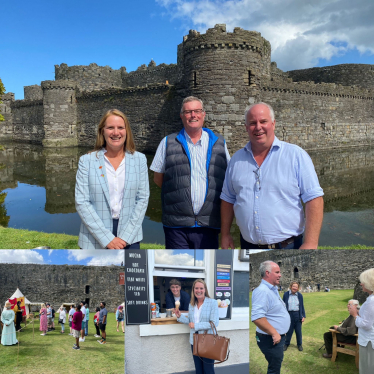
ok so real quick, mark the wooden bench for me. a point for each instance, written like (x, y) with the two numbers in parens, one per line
(340, 347)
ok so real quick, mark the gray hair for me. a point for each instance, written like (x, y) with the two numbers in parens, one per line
(265, 266)
(367, 279)
(189, 99)
(355, 302)
(271, 110)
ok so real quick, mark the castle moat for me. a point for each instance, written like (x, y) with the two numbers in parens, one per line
(37, 193)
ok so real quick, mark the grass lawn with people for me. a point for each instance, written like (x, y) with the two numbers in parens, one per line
(323, 309)
(53, 353)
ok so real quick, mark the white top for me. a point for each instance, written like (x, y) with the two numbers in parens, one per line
(365, 322)
(83, 310)
(116, 182)
(71, 312)
(62, 316)
(177, 298)
(197, 312)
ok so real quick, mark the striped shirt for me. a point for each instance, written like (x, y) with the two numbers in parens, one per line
(198, 153)
(293, 302)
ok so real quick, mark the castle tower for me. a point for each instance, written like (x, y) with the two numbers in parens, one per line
(225, 70)
(6, 126)
(60, 114)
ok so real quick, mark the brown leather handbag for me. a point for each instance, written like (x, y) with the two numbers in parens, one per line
(211, 346)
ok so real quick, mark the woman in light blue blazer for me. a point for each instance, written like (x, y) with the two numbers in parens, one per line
(112, 188)
(201, 310)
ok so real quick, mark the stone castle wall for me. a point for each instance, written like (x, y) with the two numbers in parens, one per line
(337, 269)
(28, 121)
(6, 126)
(346, 74)
(33, 92)
(91, 77)
(63, 283)
(228, 71)
(151, 74)
(149, 110)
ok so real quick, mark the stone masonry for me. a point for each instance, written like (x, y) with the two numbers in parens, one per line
(59, 284)
(318, 108)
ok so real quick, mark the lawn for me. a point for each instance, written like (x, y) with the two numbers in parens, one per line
(323, 309)
(53, 353)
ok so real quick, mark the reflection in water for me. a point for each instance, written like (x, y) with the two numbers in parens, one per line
(37, 193)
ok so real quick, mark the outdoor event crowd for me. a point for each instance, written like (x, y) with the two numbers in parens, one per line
(77, 317)
(277, 318)
(202, 187)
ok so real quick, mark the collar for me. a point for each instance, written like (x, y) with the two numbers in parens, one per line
(269, 285)
(291, 294)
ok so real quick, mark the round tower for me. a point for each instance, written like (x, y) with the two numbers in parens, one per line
(225, 70)
(60, 114)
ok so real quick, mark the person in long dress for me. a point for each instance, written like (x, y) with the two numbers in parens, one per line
(8, 336)
(43, 320)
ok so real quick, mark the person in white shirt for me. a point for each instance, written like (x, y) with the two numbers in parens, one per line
(364, 320)
(84, 319)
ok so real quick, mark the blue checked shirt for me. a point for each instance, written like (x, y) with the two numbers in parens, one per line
(198, 153)
(267, 303)
(268, 200)
(293, 302)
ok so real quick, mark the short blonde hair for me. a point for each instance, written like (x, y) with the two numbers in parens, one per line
(129, 145)
(42, 306)
(193, 301)
(367, 279)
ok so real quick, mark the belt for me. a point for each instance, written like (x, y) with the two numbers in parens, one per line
(283, 244)
(259, 333)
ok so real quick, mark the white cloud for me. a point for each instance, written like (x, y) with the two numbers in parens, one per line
(168, 257)
(19, 256)
(300, 31)
(97, 257)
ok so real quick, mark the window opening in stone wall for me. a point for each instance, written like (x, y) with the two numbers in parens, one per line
(323, 125)
(296, 273)
(87, 290)
(87, 301)
(249, 78)
(279, 263)
(194, 79)
(71, 99)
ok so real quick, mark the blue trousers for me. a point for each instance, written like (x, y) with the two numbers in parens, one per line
(295, 325)
(129, 246)
(295, 245)
(191, 238)
(273, 352)
(203, 365)
(86, 329)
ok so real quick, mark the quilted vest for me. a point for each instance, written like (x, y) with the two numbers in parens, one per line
(177, 210)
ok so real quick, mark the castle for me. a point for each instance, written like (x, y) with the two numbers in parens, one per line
(318, 108)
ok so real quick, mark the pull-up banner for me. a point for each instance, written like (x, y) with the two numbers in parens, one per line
(136, 287)
(223, 282)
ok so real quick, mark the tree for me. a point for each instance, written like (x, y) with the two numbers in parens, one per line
(2, 91)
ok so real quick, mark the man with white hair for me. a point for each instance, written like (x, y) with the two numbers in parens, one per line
(270, 315)
(265, 185)
(347, 329)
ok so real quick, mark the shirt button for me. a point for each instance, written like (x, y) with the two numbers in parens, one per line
(260, 240)
(256, 197)
(255, 212)
(257, 227)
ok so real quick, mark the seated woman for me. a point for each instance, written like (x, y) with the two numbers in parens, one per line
(112, 188)
(347, 329)
(201, 310)
(176, 294)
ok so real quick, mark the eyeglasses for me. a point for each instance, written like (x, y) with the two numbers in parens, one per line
(189, 112)
(257, 172)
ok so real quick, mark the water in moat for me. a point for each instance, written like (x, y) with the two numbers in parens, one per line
(37, 193)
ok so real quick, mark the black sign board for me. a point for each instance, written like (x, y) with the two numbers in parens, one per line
(136, 287)
(223, 282)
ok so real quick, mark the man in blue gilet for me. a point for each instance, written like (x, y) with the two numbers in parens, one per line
(190, 167)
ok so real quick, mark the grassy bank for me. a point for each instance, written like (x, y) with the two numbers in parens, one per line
(53, 353)
(323, 309)
(24, 239)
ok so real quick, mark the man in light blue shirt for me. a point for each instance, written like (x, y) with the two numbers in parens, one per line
(190, 166)
(265, 185)
(270, 315)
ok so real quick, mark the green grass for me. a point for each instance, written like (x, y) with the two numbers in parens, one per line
(53, 353)
(24, 239)
(323, 309)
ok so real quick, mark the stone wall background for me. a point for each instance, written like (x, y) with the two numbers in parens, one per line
(63, 283)
(6, 126)
(338, 269)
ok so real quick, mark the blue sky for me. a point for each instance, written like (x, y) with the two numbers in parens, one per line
(37, 35)
(62, 257)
